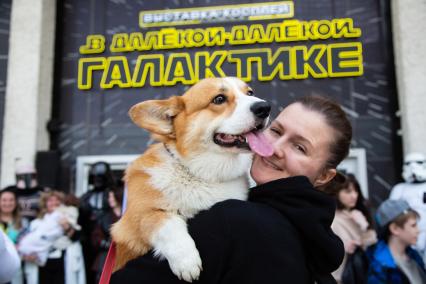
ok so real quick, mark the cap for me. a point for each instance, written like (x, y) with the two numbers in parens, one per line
(389, 210)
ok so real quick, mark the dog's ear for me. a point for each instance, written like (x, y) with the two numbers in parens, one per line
(157, 116)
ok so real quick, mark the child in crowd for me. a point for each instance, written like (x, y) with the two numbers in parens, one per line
(352, 222)
(393, 260)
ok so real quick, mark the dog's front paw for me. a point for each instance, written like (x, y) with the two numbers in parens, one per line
(173, 242)
(188, 266)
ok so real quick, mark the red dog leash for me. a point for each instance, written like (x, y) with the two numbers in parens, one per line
(108, 265)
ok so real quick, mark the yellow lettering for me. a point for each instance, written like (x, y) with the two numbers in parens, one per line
(239, 35)
(209, 65)
(94, 44)
(149, 65)
(86, 66)
(120, 43)
(116, 73)
(179, 69)
(345, 59)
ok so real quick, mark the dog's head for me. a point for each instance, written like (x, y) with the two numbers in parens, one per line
(216, 114)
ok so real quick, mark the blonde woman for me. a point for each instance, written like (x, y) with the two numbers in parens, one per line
(49, 243)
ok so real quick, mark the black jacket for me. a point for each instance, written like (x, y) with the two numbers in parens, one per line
(282, 235)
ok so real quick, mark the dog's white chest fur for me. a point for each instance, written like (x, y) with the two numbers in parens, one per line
(187, 194)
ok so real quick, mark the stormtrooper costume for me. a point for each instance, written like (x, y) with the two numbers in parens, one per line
(413, 190)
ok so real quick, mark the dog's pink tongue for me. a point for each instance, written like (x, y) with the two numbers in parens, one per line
(259, 144)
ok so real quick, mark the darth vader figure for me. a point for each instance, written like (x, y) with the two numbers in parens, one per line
(413, 190)
(93, 205)
(101, 179)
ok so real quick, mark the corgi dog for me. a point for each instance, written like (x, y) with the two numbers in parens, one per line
(203, 156)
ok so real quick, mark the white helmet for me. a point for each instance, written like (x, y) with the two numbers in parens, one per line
(414, 169)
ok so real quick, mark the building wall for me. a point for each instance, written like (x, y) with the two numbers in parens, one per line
(410, 66)
(29, 84)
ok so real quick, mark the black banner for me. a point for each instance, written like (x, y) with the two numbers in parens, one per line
(5, 9)
(116, 53)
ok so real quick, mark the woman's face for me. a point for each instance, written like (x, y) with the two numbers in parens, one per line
(52, 203)
(7, 202)
(301, 140)
(348, 196)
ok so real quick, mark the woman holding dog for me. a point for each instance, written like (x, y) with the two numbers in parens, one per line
(283, 234)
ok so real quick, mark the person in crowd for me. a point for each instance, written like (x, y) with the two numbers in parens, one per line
(10, 220)
(393, 260)
(93, 205)
(10, 262)
(101, 236)
(283, 233)
(50, 244)
(352, 222)
(10, 217)
(28, 192)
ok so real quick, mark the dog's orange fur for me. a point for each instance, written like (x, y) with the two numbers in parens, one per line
(132, 236)
(145, 213)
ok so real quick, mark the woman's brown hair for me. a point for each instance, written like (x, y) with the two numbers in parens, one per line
(336, 118)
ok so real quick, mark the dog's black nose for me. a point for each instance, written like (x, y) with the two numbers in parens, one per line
(261, 109)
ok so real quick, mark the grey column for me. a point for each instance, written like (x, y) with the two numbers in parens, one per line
(409, 39)
(29, 84)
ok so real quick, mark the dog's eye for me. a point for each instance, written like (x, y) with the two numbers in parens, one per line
(250, 93)
(219, 99)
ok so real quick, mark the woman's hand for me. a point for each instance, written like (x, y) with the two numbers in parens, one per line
(351, 245)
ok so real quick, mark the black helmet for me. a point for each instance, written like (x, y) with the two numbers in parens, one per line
(101, 176)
